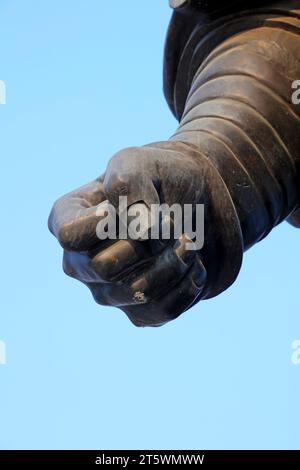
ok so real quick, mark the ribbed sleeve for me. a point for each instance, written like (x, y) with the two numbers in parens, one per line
(239, 113)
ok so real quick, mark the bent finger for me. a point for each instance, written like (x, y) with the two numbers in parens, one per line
(170, 266)
(74, 217)
(115, 261)
(179, 299)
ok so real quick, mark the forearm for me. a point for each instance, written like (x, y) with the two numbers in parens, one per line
(239, 115)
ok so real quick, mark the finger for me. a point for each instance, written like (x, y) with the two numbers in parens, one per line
(117, 260)
(116, 295)
(170, 266)
(73, 219)
(79, 267)
(183, 295)
(156, 312)
(131, 173)
(172, 304)
(121, 259)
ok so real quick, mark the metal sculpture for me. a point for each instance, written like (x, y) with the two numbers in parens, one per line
(229, 73)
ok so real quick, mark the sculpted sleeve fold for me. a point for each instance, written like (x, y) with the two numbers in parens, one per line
(234, 106)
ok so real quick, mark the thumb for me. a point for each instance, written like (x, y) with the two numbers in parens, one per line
(132, 173)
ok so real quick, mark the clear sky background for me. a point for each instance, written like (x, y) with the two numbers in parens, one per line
(84, 79)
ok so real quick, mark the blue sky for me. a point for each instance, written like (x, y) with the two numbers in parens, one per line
(84, 79)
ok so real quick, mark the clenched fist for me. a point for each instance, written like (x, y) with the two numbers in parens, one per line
(236, 152)
(153, 281)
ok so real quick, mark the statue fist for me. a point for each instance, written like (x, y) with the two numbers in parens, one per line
(152, 281)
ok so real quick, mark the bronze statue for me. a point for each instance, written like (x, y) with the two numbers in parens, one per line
(229, 71)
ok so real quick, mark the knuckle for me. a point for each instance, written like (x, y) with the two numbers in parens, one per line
(121, 169)
(99, 295)
(65, 236)
(124, 156)
(67, 268)
(52, 218)
(117, 185)
(61, 230)
(103, 267)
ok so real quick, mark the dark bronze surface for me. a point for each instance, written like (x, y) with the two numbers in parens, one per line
(228, 76)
